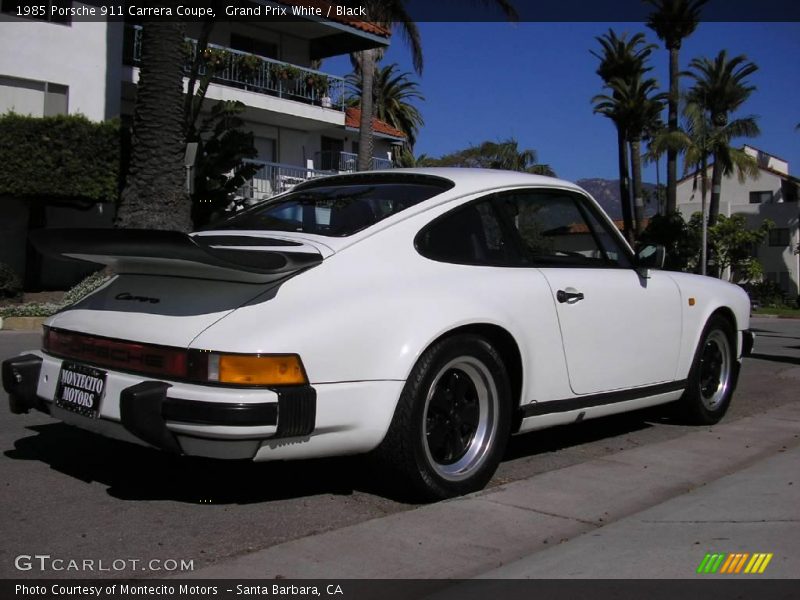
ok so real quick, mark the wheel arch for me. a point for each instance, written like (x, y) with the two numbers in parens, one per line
(727, 314)
(508, 348)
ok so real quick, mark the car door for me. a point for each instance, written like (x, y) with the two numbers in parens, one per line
(619, 330)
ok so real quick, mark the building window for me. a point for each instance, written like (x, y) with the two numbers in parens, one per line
(779, 236)
(760, 197)
(253, 46)
(35, 98)
(42, 10)
(790, 190)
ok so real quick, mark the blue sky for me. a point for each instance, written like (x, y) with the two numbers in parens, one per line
(534, 82)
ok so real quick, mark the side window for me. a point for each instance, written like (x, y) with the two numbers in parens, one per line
(470, 234)
(558, 228)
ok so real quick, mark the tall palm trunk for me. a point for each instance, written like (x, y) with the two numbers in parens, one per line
(365, 140)
(672, 125)
(155, 195)
(624, 186)
(704, 222)
(716, 191)
(638, 200)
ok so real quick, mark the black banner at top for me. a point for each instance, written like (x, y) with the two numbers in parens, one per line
(354, 11)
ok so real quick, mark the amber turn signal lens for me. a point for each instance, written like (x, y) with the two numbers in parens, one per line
(240, 369)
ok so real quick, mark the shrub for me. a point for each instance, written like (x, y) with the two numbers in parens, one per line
(45, 309)
(31, 309)
(766, 293)
(10, 283)
(65, 156)
(85, 287)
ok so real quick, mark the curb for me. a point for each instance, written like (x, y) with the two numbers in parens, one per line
(22, 323)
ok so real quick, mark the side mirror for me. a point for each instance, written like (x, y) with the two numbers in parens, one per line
(650, 257)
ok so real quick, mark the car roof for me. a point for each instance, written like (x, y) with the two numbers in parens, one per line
(466, 180)
(460, 182)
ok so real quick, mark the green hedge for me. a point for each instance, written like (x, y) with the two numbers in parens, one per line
(62, 156)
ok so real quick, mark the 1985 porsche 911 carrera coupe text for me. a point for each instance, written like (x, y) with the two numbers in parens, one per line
(423, 315)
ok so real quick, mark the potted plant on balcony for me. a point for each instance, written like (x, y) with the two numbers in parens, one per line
(249, 67)
(319, 84)
(286, 75)
(215, 59)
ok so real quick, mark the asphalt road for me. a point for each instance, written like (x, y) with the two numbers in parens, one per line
(76, 496)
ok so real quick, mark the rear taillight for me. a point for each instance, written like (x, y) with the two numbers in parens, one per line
(197, 366)
(120, 354)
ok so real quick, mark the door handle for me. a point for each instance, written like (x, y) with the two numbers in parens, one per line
(570, 297)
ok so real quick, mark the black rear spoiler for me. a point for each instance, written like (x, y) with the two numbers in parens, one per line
(149, 252)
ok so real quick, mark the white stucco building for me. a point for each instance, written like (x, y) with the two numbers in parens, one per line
(773, 195)
(297, 113)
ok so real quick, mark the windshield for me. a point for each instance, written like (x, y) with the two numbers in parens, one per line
(335, 210)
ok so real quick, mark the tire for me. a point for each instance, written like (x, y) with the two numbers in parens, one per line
(712, 377)
(452, 421)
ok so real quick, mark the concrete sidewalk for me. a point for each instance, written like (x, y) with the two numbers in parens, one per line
(652, 511)
(756, 510)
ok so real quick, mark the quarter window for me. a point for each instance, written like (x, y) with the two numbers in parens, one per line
(470, 235)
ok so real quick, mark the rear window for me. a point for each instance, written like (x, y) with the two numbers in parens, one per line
(336, 210)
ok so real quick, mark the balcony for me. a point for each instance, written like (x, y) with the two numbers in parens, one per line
(254, 73)
(347, 162)
(276, 178)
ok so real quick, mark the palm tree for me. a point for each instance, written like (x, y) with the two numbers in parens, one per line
(654, 132)
(633, 106)
(721, 88)
(622, 62)
(392, 93)
(504, 155)
(701, 140)
(155, 195)
(388, 13)
(673, 21)
(642, 107)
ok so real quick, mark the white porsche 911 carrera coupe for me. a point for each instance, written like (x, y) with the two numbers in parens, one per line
(421, 315)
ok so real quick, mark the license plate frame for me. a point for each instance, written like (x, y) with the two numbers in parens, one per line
(80, 389)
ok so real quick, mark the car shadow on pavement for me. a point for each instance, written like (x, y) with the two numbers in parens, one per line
(791, 360)
(134, 472)
(593, 430)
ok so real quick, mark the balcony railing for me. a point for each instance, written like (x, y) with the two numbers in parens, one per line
(276, 178)
(346, 162)
(255, 73)
(381, 163)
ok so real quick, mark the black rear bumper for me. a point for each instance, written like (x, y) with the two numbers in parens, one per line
(748, 339)
(145, 410)
(20, 380)
(145, 407)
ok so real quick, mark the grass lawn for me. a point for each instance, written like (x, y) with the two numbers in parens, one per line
(781, 312)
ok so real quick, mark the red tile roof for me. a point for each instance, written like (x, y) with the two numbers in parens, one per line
(353, 120)
(367, 26)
